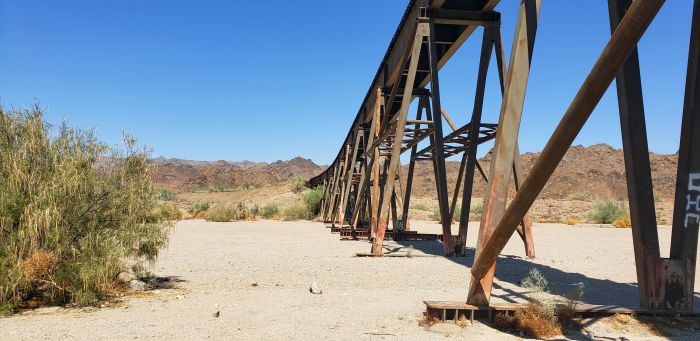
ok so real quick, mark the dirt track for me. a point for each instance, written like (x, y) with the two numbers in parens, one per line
(257, 275)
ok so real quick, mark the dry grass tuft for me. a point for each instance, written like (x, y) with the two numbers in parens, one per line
(463, 321)
(428, 320)
(631, 323)
(40, 265)
(532, 320)
(572, 221)
(622, 223)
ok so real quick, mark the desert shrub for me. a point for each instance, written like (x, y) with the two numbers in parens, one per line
(269, 211)
(605, 212)
(572, 221)
(169, 211)
(420, 206)
(566, 312)
(297, 212)
(297, 184)
(436, 216)
(165, 195)
(476, 210)
(623, 223)
(198, 208)
(230, 212)
(312, 199)
(251, 185)
(73, 211)
(580, 196)
(529, 320)
(254, 211)
(542, 317)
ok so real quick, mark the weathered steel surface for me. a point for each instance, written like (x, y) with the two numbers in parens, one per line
(620, 46)
(637, 167)
(504, 149)
(678, 285)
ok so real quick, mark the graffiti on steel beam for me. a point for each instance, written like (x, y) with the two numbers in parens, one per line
(692, 209)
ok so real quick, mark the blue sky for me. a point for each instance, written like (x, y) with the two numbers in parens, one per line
(237, 80)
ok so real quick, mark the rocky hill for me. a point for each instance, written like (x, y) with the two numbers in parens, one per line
(182, 175)
(597, 171)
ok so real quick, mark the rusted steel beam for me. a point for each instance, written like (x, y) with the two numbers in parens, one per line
(637, 167)
(391, 70)
(678, 288)
(411, 170)
(618, 48)
(361, 204)
(349, 173)
(336, 218)
(526, 223)
(333, 195)
(458, 186)
(439, 157)
(475, 123)
(394, 160)
(501, 168)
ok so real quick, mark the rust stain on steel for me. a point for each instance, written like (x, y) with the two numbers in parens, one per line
(621, 44)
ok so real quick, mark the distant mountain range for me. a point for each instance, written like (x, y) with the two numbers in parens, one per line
(182, 175)
(597, 170)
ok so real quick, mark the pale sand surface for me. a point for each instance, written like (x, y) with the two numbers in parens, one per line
(363, 298)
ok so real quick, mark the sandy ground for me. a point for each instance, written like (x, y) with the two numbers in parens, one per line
(257, 276)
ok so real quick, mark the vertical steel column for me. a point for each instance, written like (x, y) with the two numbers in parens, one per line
(686, 213)
(350, 170)
(395, 157)
(332, 198)
(363, 185)
(411, 168)
(526, 233)
(506, 140)
(618, 48)
(637, 167)
(455, 194)
(439, 153)
(341, 187)
(374, 209)
(474, 128)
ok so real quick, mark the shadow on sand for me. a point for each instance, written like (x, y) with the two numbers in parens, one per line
(513, 269)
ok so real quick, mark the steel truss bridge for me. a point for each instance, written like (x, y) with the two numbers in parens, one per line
(363, 187)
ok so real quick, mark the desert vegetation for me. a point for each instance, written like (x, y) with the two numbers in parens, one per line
(74, 212)
(542, 317)
(609, 212)
(306, 207)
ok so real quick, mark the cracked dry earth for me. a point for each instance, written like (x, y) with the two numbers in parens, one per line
(250, 280)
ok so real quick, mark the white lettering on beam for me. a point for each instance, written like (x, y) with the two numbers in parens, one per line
(692, 208)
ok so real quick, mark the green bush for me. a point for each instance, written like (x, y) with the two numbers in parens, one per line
(297, 184)
(73, 211)
(605, 212)
(229, 212)
(312, 199)
(580, 196)
(251, 185)
(420, 206)
(475, 212)
(169, 211)
(166, 195)
(297, 212)
(269, 211)
(199, 207)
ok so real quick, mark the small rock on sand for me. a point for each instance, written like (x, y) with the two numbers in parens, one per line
(314, 288)
(137, 285)
(125, 277)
